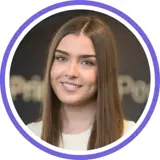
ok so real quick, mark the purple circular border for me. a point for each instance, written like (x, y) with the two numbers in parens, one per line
(87, 3)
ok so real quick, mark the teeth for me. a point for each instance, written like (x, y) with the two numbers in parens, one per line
(70, 85)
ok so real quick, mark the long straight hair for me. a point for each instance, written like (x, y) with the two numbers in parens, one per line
(109, 121)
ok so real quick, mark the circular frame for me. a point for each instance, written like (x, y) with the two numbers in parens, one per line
(87, 3)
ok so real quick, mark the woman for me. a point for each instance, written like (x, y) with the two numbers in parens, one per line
(81, 104)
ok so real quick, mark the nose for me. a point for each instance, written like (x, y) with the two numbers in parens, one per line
(72, 70)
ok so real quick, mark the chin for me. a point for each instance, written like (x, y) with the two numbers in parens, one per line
(72, 101)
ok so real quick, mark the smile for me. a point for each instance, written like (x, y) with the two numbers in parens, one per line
(71, 86)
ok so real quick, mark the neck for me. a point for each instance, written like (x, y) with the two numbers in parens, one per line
(76, 119)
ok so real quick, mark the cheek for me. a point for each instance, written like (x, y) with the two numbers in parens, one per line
(92, 77)
(53, 71)
(53, 68)
(56, 71)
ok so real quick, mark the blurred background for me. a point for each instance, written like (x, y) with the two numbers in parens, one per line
(27, 69)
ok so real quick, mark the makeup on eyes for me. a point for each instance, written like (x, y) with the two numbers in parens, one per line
(86, 59)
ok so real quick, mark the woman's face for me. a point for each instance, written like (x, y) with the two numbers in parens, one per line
(74, 70)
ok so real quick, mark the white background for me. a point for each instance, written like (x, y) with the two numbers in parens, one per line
(13, 14)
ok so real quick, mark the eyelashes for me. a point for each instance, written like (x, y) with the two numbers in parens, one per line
(88, 63)
(60, 58)
(85, 62)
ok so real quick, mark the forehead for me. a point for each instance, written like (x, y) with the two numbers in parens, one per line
(76, 44)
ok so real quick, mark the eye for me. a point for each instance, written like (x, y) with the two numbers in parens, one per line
(88, 63)
(60, 58)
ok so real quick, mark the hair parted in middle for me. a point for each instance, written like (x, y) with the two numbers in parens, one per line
(108, 125)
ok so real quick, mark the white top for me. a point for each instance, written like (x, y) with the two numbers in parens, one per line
(75, 141)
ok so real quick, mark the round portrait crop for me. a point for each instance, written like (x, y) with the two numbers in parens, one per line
(80, 49)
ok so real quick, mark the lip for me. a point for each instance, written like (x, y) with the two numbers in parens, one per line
(71, 86)
(71, 83)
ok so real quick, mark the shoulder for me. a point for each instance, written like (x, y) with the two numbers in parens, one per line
(128, 125)
(36, 128)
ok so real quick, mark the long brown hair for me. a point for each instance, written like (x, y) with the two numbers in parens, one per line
(108, 125)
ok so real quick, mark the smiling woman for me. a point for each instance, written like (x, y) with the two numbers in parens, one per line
(74, 70)
(81, 103)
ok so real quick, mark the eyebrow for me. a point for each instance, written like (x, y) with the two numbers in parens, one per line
(81, 56)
